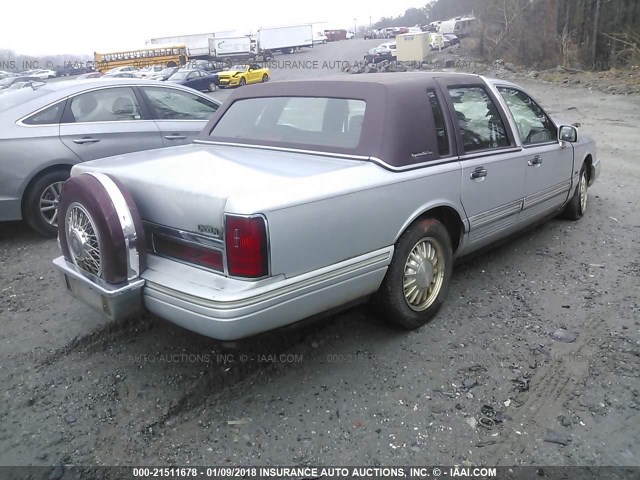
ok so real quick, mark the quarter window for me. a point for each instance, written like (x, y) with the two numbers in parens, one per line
(172, 104)
(108, 105)
(47, 116)
(480, 123)
(534, 126)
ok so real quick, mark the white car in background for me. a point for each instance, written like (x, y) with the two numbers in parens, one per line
(43, 74)
(126, 69)
(390, 46)
(148, 72)
(350, 35)
(25, 84)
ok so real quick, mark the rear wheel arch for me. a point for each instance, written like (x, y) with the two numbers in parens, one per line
(113, 217)
(448, 216)
(417, 280)
(588, 162)
(39, 194)
(40, 174)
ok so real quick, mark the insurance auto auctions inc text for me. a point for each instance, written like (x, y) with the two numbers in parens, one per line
(375, 472)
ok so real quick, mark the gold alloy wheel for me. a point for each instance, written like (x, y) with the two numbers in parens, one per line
(423, 274)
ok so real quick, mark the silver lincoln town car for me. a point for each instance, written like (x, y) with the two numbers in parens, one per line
(305, 196)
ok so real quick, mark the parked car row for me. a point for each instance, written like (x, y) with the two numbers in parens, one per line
(390, 32)
(9, 82)
(199, 75)
(436, 42)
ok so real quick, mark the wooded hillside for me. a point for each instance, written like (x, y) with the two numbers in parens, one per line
(588, 34)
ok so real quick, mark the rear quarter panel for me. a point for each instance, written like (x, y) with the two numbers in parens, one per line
(25, 152)
(351, 217)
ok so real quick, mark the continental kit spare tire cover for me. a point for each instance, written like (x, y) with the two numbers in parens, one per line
(90, 227)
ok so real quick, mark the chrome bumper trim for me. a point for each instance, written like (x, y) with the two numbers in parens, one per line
(114, 301)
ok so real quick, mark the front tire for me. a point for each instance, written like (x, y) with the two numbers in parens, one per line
(243, 82)
(577, 206)
(213, 87)
(417, 281)
(41, 202)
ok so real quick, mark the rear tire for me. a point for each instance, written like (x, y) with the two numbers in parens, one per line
(41, 202)
(213, 87)
(265, 78)
(417, 281)
(577, 206)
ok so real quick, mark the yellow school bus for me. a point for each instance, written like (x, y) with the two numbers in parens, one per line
(165, 55)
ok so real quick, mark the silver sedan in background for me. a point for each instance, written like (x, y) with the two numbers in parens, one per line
(44, 131)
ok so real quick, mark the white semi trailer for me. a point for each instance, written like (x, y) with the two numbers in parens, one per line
(285, 39)
(197, 44)
(235, 48)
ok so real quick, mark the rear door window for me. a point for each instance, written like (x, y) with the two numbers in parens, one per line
(480, 122)
(106, 105)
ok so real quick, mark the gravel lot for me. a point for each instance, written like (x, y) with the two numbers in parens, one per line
(484, 383)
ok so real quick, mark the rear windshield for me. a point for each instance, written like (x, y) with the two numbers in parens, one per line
(298, 121)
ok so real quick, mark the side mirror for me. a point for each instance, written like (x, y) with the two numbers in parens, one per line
(568, 133)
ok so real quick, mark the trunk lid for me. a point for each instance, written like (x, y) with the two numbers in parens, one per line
(190, 187)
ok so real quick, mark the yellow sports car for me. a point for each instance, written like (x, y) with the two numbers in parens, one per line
(240, 75)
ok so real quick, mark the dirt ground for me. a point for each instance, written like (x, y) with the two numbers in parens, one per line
(491, 380)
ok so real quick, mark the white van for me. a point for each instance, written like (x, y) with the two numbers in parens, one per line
(459, 26)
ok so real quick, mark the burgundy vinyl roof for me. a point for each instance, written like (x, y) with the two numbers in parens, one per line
(398, 121)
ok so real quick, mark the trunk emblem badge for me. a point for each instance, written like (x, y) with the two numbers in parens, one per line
(210, 230)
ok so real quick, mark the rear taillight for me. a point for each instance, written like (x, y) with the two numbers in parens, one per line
(188, 252)
(246, 242)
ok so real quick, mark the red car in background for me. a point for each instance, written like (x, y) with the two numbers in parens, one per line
(335, 35)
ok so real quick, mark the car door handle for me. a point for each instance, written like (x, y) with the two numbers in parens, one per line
(478, 173)
(175, 136)
(81, 141)
(535, 161)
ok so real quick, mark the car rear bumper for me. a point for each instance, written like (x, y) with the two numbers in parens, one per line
(114, 301)
(224, 308)
(237, 309)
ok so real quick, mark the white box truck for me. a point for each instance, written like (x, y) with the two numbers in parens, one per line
(285, 39)
(197, 44)
(318, 32)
